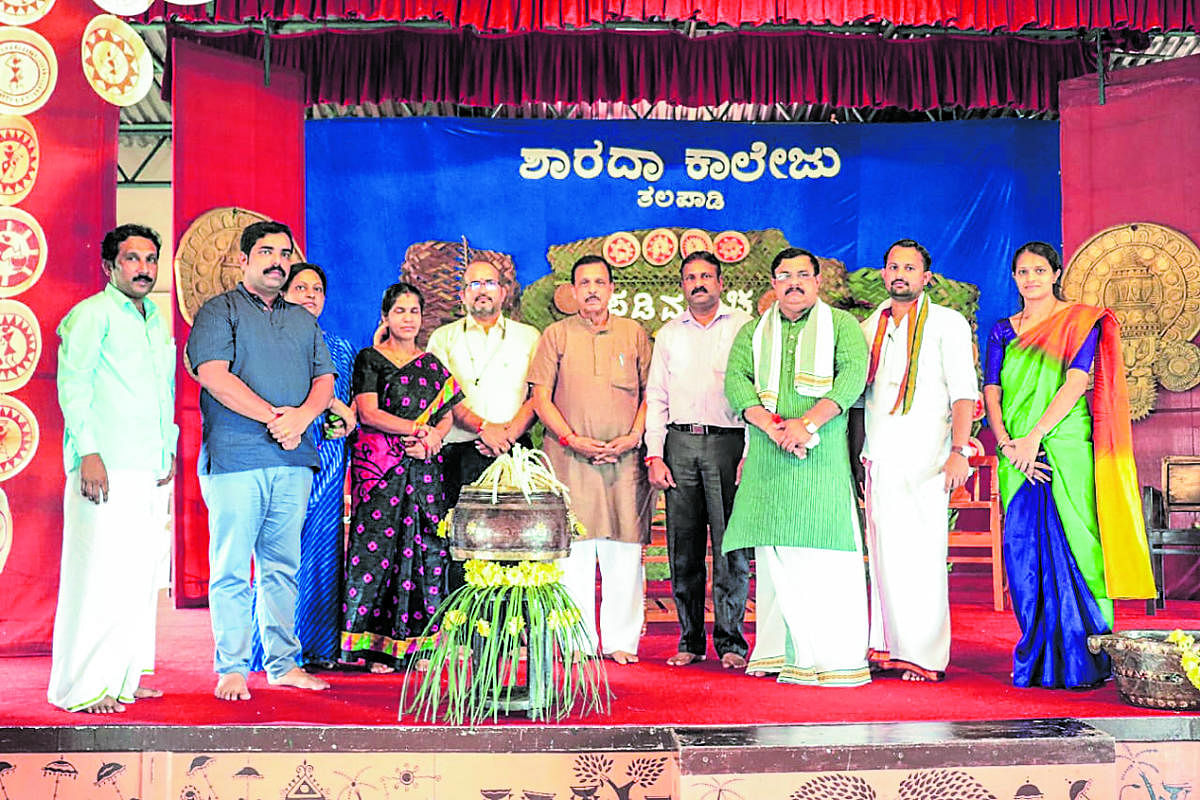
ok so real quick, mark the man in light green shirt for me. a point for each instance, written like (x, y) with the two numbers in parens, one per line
(116, 387)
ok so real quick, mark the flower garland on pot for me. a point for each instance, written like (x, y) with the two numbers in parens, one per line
(509, 620)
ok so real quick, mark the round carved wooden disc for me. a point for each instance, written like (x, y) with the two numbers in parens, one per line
(22, 251)
(1178, 366)
(18, 436)
(28, 71)
(23, 12)
(206, 261)
(564, 299)
(20, 344)
(6, 530)
(1148, 274)
(19, 158)
(116, 62)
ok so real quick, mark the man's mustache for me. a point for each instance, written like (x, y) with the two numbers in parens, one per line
(699, 290)
(794, 289)
(269, 270)
(591, 297)
(146, 278)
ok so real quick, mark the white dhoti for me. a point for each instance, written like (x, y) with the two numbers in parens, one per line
(907, 532)
(811, 616)
(622, 590)
(115, 559)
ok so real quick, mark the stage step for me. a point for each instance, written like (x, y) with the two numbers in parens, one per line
(1155, 758)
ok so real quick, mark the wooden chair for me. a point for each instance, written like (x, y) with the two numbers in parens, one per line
(1180, 494)
(982, 493)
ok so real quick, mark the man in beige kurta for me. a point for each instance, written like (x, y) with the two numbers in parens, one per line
(589, 376)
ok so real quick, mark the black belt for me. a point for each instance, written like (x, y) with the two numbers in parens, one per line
(703, 430)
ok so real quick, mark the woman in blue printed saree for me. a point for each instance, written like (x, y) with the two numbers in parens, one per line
(1074, 539)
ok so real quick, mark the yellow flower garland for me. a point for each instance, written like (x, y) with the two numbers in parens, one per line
(1189, 659)
(527, 574)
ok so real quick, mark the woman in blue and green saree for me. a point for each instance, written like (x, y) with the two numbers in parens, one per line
(1074, 539)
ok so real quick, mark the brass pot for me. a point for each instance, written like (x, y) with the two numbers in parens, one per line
(1147, 670)
(511, 529)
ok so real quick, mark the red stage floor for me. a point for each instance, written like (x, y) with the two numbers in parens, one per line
(648, 693)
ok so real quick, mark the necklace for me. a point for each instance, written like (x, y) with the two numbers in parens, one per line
(396, 356)
(1021, 318)
(487, 356)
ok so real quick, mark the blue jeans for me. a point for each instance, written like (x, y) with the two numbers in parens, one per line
(257, 514)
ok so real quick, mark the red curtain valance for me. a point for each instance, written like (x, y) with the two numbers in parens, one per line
(590, 66)
(517, 15)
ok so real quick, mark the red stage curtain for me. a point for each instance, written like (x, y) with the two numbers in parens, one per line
(590, 66)
(1122, 162)
(236, 143)
(1012, 15)
(74, 199)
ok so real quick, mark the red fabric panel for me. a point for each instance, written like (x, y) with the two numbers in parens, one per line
(590, 66)
(1122, 163)
(516, 15)
(236, 143)
(74, 199)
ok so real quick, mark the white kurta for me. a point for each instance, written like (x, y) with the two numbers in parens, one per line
(907, 505)
(115, 560)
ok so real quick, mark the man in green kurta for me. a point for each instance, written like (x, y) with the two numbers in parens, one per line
(792, 374)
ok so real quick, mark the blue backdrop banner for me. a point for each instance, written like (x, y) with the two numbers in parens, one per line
(969, 191)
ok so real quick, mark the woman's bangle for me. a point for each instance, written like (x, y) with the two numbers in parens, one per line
(564, 440)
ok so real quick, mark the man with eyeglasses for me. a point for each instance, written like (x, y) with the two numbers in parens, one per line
(489, 355)
(792, 374)
(921, 393)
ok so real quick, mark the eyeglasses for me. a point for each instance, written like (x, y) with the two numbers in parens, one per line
(488, 284)
(784, 277)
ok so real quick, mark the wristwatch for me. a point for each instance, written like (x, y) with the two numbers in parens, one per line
(808, 425)
(966, 451)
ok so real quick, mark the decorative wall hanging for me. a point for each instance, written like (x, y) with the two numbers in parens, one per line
(23, 12)
(18, 436)
(1149, 275)
(22, 251)
(206, 261)
(20, 344)
(116, 62)
(20, 158)
(28, 71)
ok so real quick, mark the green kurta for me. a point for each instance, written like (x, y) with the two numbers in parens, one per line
(784, 500)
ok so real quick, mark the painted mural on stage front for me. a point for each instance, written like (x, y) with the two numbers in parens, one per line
(416, 197)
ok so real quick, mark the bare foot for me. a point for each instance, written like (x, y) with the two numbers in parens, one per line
(299, 679)
(232, 686)
(105, 705)
(733, 661)
(143, 692)
(909, 675)
(683, 658)
(623, 657)
(756, 673)
(423, 665)
(379, 668)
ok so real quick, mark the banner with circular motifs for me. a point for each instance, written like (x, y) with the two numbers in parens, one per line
(20, 344)
(20, 158)
(30, 71)
(18, 436)
(6, 530)
(116, 62)
(22, 251)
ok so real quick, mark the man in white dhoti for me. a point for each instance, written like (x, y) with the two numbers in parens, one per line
(792, 374)
(920, 399)
(116, 386)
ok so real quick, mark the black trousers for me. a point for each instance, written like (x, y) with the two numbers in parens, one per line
(705, 471)
(462, 464)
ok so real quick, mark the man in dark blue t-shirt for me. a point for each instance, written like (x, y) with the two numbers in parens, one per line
(266, 375)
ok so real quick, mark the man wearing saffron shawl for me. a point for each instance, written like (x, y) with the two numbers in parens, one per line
(1074, 538)
(921, 393)
(792, 374)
